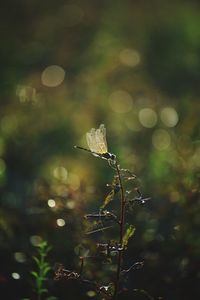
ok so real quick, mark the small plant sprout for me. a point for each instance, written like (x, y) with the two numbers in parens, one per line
(110, 252)
(41, 272)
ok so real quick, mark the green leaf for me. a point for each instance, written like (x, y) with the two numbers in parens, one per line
(128, 234)
(36, 260)
(43, 244)
(40, 279)
(48, 249)
(44, 265)
(52, 298)
(108, 199)
(34, 274)
(46, 270)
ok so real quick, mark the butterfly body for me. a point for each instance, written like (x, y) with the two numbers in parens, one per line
(106, 155)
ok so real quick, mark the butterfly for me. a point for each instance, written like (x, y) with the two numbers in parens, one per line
(96, 140)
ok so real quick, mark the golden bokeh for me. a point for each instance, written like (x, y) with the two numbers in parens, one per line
(129, 57)
(53, 76)
(51, 203)
(121, 101)
(60, 173)
(60, 222)
(169, 116)
(147, 117)
(161, 139)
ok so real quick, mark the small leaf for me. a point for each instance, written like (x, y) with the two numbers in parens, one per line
(43, 244)
(44, 265)
(36, 260)
(34, 274)
(128, 234)
(48, 249)
(116, 184)
(108, 198)
(46, 270)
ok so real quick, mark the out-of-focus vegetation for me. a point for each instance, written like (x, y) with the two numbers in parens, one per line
(67, 66)
(41, 272)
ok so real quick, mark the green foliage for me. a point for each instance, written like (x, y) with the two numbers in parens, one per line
(127, 235)
(43, 267)
(115, 189)
(108, 199)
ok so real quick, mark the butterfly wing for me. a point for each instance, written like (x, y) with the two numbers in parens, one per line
(91, 140)
(100, 137)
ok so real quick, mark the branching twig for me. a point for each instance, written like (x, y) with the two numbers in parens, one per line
(121, 223)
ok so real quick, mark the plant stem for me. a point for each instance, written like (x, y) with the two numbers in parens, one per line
(121, 231)
(40, 276)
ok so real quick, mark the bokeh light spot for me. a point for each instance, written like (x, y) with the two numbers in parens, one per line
(147, 117)
(183, 263)
(177, 227)
(35, 240)
(20, 257)
(53, 76)
(169, 116)
(26, 93)
(51, 203)
(60, 222)
(71, 204)
(161, 139)
(60, 173)
(15, 275)
(91, 294)
(129, 57)
(120, 101)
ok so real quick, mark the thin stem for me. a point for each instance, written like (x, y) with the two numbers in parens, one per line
(121, 231)
(39, 283)
(82, 265)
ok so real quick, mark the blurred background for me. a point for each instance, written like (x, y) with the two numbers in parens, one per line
(68, 66)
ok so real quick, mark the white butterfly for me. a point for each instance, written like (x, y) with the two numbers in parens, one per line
(96, 140)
